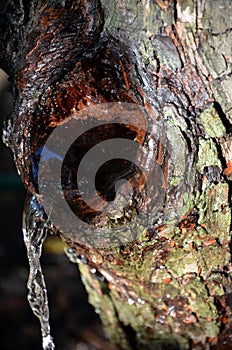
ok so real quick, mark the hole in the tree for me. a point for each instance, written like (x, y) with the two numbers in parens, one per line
(110, 173)
(107, 175)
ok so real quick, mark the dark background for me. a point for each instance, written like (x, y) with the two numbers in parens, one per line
(74, 324)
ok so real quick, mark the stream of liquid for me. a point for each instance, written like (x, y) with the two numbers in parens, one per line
(35, 229)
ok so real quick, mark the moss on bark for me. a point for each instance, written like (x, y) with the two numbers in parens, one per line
(169, 288)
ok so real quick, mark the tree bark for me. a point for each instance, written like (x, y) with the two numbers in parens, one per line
(171, 288)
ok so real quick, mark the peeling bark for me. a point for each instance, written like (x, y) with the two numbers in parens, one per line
(171, 288)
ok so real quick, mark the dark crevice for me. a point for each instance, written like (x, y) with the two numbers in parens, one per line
(223, 118)
(129, 332)
(175, 15)
(130, 335)
(197, 12)
(158, 69)
(228, 30)
(187, 139)
(223, 77)
(220, 155)
(103, 283)
(138, 75)
(222, 311)
(225, 60)
(223, 161)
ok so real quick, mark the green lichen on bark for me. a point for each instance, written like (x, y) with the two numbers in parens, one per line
(102, 302)
(212, 122)
(188, 271)
(215, 213)
(183, 265)
(184, 262)
(166, 288)
(207, 155)
(209, 35)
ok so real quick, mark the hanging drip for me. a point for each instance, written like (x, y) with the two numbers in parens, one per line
(35, 227)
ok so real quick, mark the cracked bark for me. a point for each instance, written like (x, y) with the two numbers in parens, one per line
(172, 287)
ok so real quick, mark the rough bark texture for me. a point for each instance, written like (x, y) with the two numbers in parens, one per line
(171, 289)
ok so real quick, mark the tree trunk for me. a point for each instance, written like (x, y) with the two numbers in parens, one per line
(171, 287)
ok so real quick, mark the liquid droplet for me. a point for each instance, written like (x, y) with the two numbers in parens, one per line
(34, 232)
(130, 301)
